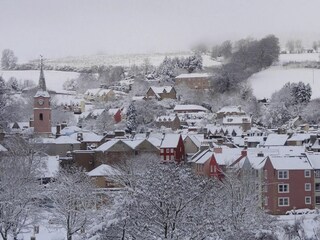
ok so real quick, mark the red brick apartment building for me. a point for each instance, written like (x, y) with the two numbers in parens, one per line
(288, 184)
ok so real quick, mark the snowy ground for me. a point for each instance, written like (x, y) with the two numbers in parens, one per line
(123, 60)
(266, 82)
(301, 57)
(54, 79)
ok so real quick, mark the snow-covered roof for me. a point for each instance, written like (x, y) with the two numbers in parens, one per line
(133, 143)
(103, 92)
(41, 93)
(236, 119)
(276, 140)
(195, 138)
(299, 137)
(3, 149)
(228, 156)
(194, 75)
(21, 125)
(96, 112)
(87, 136)
(50, 168)
(290, 163)
(103, 170)
(70, 130)
(314, 159)
(189, 107)
(106, 146)
(164, 118)
(229, 109)
(203, 157)
(159, 90)
(256, 162)
(92, 91)
(65, 140)
(62, 99)
(170, 140)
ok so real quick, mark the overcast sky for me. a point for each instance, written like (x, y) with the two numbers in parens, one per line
(57, 28)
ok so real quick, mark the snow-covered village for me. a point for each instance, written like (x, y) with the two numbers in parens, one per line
(182, 120)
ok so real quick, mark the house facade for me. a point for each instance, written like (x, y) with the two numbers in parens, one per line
(172, 148)
(199, 81)
(160, 93)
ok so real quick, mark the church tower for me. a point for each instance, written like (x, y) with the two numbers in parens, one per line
(42, 108)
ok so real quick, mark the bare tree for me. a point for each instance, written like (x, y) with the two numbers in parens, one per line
(73, 200)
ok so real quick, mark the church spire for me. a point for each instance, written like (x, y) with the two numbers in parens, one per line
(42, 81)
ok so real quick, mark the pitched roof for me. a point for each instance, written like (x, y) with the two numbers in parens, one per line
(3, 149)
(290, 163)
(276, 140)
(159, 90)
(194, 75)
(170, 140)
(103, 170)
(189, 107)
(88, 137)
(65, 140)
(230, 109)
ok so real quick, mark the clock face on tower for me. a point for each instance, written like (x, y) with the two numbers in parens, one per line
(40, 101)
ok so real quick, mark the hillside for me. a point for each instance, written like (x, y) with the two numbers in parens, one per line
(268, 81)
(122, 60)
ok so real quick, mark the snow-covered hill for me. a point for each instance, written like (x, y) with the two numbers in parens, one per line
(122, 60)
(266, 82)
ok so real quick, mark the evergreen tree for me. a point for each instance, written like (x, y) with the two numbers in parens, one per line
(131, 118)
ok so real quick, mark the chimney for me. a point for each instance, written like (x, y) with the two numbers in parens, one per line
(244, 153)
(79, 136)
(63, 125)
(58, 128)
(217, 149)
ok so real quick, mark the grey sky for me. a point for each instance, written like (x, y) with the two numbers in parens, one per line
(75, 27)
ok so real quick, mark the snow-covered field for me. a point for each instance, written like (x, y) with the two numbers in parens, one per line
(123, 60)
(266, 82)
(54, 79)
(301, 57)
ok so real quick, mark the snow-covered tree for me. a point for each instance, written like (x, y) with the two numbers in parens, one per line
(131, 118)
(19, 187)
(8, 59)
(192, 63)
(73, 200)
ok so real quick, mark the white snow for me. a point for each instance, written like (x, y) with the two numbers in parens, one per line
(54, 79)
(276, 140)
(194, 75)
(266, 82)
(103, 170)
(298, 57)
(190, 108)
(170, 141)
(290, 163)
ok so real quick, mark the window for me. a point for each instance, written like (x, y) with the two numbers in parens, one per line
(317, 187)
(307, 173)
(167, 150)
(283, 188)
(41, 116)
(307, 186)
(283, 201)
(162, 150)
(171, 150)
(283, 174)
(266, 201)
(307, 200)
(318, 200)
(317, 173)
